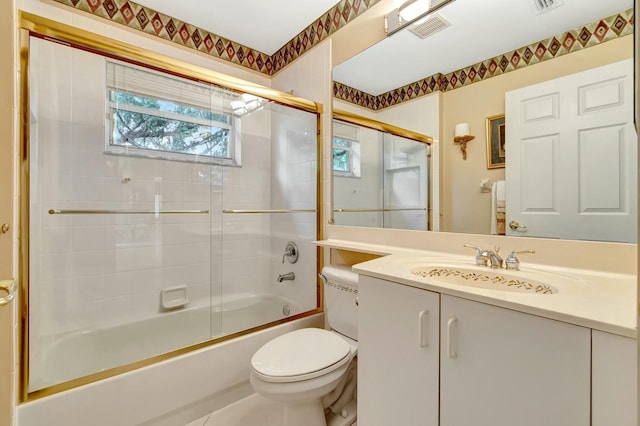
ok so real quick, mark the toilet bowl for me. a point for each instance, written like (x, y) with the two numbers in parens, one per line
(309, 368)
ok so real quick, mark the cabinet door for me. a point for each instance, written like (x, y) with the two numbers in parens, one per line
(614, 384)
(504, 368)
(398, 336)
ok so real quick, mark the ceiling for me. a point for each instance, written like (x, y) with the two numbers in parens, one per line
(262, 25)
(480, 30)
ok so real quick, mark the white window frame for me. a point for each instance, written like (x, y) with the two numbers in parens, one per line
(353, 148)
(234, 125)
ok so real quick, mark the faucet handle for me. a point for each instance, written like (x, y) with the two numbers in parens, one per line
(512, 262)
(480, 259)
(291, 252)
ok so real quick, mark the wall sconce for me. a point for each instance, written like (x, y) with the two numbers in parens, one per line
(462, 136)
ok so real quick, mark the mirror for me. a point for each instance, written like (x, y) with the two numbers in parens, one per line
(475, 53)
(380, 174)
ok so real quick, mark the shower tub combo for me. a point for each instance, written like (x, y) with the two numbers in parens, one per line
(81, 353)
(189, 187)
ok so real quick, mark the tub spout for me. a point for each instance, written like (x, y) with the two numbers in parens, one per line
(289, 276)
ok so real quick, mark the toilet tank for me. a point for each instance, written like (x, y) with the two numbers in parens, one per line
(340, 299)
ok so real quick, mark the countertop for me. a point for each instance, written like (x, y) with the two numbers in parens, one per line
(594, 299)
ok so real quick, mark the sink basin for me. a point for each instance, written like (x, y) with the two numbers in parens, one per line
(483, 278)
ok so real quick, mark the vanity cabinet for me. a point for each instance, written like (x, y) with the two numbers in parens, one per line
(429, 359)
(398, 350)
(614, 380)
(500, 367)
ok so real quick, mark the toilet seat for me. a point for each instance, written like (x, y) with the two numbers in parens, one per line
(300, 355)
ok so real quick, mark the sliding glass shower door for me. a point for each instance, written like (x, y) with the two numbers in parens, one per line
(159, 212)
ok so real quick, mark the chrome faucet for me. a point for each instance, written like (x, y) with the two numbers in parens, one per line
(492, 258)
(512, 262)
(487, 257)
(289, 276)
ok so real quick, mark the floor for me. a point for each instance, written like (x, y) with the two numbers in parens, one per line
(253, 410)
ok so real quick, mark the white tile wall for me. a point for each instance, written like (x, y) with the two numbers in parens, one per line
(294, 180)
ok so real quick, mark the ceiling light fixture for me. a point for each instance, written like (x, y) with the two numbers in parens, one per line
(411, 9)
(408, 12)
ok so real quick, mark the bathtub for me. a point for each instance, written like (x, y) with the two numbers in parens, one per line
(82, 353)
(173, 392)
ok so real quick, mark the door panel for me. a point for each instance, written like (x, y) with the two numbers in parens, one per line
(572, 155)
(500, 367)
(397, 354)
(601, 187)
(539, 159)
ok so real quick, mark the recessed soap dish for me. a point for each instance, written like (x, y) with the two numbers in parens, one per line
(174, 297)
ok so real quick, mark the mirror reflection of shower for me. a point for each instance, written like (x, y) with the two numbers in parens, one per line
(380, 179)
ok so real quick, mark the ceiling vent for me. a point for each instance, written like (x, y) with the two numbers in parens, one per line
(434, 23)
(542, 6)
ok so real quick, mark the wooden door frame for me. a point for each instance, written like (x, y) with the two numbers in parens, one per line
(8, 209)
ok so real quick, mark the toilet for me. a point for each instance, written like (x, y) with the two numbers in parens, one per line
(312, 369)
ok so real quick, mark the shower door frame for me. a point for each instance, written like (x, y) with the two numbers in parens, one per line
(31, 25)
(385, 128)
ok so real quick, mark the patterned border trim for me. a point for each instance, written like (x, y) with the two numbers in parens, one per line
(355, 96)
(595, 33)
(499, 280)
(154, 23)
(330, 22)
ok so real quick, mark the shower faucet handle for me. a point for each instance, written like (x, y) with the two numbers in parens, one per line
(291, 252)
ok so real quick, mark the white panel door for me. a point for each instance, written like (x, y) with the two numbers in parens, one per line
(398, 340)
(504, 368)
(572, 157)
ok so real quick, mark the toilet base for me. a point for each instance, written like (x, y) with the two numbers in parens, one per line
(349, 412)
(308, 413)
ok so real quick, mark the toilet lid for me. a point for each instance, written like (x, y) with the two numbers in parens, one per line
(300, 352)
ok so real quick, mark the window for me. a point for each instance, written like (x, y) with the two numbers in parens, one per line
(346, 150)
(342, 156)
(161, 116)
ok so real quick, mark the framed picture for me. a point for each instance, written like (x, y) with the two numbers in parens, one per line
(495, 141)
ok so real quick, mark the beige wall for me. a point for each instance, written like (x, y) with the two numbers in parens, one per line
(464, 207)
(361, 33)
(7, 312)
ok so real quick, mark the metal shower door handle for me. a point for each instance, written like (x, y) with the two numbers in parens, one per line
(7, 291)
